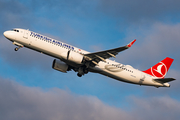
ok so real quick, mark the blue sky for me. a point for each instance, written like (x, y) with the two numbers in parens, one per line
(93, 25)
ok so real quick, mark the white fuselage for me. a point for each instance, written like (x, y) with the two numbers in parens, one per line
(56, 49)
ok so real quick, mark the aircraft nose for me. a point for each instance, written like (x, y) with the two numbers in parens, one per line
(9, 35)
(5, 34)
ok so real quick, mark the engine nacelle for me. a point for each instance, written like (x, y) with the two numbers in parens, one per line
(75, 57)
(60, 66)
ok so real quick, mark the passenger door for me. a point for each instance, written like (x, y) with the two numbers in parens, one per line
(26, 34)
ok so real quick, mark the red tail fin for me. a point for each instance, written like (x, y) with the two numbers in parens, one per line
(160, 69)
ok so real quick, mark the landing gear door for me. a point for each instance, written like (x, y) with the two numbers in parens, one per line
(26, 34)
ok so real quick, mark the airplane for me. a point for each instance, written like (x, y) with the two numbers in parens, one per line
(68, 57)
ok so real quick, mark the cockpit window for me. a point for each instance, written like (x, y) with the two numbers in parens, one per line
(15, 30)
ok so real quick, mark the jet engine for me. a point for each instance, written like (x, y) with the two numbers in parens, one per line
(75, 57)
(60, 66)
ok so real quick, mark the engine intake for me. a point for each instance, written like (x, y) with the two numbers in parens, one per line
(60, 66)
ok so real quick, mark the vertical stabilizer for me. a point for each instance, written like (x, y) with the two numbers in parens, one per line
(160, 69)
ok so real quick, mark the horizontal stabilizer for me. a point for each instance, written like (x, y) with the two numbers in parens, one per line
(164, 80)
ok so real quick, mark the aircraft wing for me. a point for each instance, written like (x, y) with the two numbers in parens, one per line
(102, 55)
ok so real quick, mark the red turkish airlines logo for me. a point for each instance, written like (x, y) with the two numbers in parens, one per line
(159, 70)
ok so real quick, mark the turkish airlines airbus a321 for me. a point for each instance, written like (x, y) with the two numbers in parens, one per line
(71, 58)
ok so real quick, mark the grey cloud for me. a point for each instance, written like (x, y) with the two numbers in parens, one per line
(20, 102)
(131, 12)
(78, 8)
(153, 45)
(13, 14)
(163, 108)
(37, 15)
(140, 11)
(12, 6)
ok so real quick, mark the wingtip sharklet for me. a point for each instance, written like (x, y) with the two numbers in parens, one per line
(131, 43)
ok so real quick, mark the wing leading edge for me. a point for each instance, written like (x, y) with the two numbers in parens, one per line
(102, 55)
